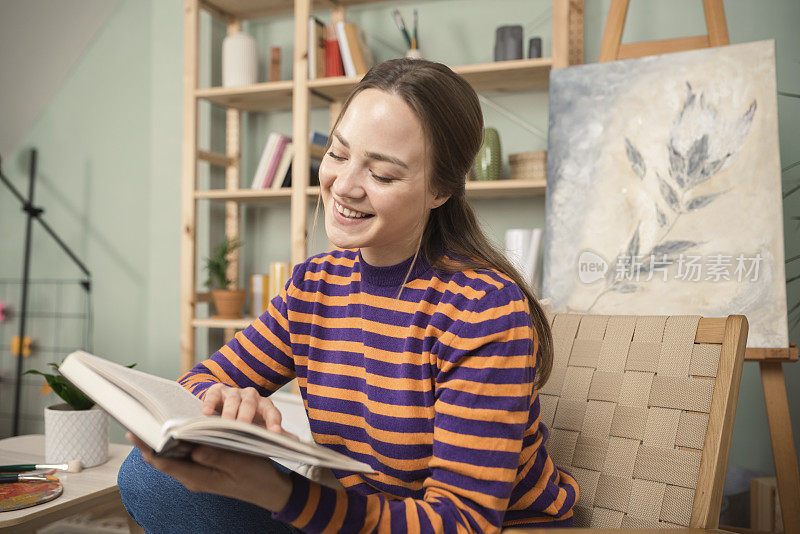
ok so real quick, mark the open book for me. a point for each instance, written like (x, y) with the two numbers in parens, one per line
(169, 419)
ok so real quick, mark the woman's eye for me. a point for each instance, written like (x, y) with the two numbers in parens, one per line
(382, 179)
(334, 156)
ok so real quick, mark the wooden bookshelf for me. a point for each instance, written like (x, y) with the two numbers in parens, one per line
(301, 94)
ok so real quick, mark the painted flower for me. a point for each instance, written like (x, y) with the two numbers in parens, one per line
(701, 143)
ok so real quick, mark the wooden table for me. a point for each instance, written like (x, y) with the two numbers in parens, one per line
(92, 489)
(615, 531)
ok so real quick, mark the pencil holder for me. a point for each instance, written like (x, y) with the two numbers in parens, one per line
(414, 53)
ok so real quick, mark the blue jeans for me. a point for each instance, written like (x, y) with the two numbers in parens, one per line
(159, 503)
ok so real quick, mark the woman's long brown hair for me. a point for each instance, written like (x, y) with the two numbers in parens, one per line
(452, 120)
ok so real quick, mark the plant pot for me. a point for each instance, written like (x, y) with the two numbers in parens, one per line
(75, 435)
(229, 303)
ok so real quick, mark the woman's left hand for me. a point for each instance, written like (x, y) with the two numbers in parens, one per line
(231, 474)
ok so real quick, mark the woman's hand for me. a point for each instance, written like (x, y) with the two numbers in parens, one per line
(231, 474)
(244, 405)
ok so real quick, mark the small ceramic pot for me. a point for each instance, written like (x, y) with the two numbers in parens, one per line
(489, 161)
(229, 302)
(75, 435)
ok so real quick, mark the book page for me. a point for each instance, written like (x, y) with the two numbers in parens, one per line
(124, 408)
(166, 399)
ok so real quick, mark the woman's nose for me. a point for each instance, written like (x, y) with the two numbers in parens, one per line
(348, 182)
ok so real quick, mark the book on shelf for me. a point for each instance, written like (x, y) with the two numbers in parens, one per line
(170, 420)
(274, 161)
(283, 167)
(316, 48)
(333, 56)
(261, 168)
(259, 293)
(359, 51)
(344, 49)
(318, 138)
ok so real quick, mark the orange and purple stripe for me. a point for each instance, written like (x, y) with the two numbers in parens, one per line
(433, 389)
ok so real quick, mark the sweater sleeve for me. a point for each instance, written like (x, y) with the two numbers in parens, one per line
(483, 391)
(259, 356)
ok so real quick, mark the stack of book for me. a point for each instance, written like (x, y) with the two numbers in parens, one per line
(274, 163)
(274, 169)
(338, 49)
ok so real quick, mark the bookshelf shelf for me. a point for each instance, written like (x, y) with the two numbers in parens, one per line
(215, 158)
(254, 9)
(506, 188)
(515, 75)
(489, 189)
(256, 97)
(246, 195)
(237, 324)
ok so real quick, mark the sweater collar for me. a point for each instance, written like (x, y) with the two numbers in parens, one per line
(392, 275)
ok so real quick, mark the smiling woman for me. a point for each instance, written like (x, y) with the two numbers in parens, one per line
(418, 349)
(373, 180)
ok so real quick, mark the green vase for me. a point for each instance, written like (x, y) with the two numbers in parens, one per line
(489, 161)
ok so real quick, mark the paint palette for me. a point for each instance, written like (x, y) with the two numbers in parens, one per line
(17, 495)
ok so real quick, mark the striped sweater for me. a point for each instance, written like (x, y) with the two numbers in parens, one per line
(433, 389)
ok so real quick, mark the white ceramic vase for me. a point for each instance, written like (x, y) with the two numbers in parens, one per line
(75, 435)
(239, 60)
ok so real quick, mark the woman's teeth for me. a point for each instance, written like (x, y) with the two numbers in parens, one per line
(348, 212)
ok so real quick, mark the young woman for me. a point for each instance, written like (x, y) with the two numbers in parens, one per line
(417, 348)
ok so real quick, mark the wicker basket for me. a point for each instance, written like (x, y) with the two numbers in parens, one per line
(528, 165)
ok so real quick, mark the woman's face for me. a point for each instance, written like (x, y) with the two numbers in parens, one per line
(373, 180)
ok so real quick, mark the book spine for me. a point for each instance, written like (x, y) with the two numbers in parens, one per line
(312, 50)
(333, 57)
(286, 160)
(262, 163)
(356, 52)
(344, 48)
(274, 161)
(259, 284)
(318, 138)
(319, 41)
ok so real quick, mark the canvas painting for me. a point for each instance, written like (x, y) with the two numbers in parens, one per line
(664, 190)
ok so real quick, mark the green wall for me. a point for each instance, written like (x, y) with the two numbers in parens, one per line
(110, 163)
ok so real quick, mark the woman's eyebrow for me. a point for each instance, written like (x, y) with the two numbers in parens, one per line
(373, 155)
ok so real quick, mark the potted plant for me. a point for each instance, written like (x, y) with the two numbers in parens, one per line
(228, 302)
(75, 429)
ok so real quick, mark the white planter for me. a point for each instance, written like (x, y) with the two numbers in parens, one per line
(239, 60)
(75, 435)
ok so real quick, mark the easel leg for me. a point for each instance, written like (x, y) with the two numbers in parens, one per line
(783, 450)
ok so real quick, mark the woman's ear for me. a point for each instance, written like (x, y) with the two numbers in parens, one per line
(437, 200)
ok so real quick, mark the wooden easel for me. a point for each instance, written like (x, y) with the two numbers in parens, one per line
(770, 360)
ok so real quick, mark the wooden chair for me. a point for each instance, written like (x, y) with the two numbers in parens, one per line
(640, 411)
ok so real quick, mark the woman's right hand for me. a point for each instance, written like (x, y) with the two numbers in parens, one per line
(244, 405)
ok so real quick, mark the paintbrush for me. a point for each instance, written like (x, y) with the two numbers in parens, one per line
(74, 466)
(6, 479)
(401, 25)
